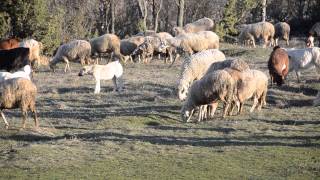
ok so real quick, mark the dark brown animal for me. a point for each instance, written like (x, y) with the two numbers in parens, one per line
(14, 59)
(278, 65)
(9, 43)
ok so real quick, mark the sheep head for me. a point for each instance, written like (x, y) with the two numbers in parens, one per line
(186, 114)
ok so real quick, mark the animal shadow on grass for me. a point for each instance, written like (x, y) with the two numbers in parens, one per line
(82, 89)
(264, 140)
(234, 52)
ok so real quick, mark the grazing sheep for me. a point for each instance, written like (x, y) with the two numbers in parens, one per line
(278, 65)
(282, 30)
(104, 44)
(303, 59)
(313, 32)
(18, 93)
(246, 39)
(78, 49)
(194, 67)
(164, 47)
(112, 70)
(127, 46)
(253, 84)
(25, 72)
(264, 30)
(203, 24)
(146, 49)
(35, 49)
(212, 88)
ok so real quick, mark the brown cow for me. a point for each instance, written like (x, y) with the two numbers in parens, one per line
(278, 65)
(9, 43)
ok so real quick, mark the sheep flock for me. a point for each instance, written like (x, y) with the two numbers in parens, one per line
(208, 77)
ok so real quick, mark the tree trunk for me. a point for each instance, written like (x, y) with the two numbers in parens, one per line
(157, 16)
(180, 13)
(143, 11)
(112, 16)
(264, 10)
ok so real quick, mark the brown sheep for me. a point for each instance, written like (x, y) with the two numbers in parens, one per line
(19, 93)
(278, 65)
(108, 43)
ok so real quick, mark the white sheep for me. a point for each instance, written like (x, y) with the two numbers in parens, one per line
(78, 49)
(34, 48)
(303, 59)
(203, 24)
(212, 88)
(112, 70)
(264, 30)
(194, 67)
(252, 84)
(25, 72)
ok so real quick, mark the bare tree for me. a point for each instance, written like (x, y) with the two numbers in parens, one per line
(112, 7)
(264, 10)
(157, 5)
(144, 11)
(180, 4)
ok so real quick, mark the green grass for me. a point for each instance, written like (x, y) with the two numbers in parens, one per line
(138, 134)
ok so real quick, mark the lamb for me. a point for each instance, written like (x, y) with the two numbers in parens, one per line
(107, 43)
(194, 67)
(313, 32)
(264, 30)
(303, 59)
(127, 46)
(18, 92)
(78, 49)
(278, 65)
(282, 30)
(212, 88)
(25, 72)
(112, 70)
(203, 24)
(252, 84)
(35, 48)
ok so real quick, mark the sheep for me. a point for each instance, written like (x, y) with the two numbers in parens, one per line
(313, 32)
(127, 46)
(194, 67)
(18, 92)
(107, 43)
(264, 30)
(278, 65)
(10, 43)
(14, 59)
(35, 47)
(164, 47)
(252, 84)
(246, 38)
(25, 72)
(203, 24)
(146, 50)
(303, 59)
(112, 70)
(234, 67)
(212, 88)
(194, 42)
(78, 49)
(282, 30)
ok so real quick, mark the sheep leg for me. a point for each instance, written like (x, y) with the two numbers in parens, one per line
(213, 108)
(115, 85)
(240, 107)
(225, 109)
(5, 120)
(298, 75)
(276, 41)
(255, 102)
(24, 119)
(67, 64)
(97, 88)
(191, 113)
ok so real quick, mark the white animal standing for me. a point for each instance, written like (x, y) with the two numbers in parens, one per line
(112, 70)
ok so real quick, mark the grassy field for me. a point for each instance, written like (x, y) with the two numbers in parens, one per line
(138, 134)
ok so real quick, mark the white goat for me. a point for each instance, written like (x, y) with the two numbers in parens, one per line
(112, 70)
(22, 73)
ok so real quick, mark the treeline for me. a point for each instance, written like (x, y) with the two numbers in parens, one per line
(58, 21)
